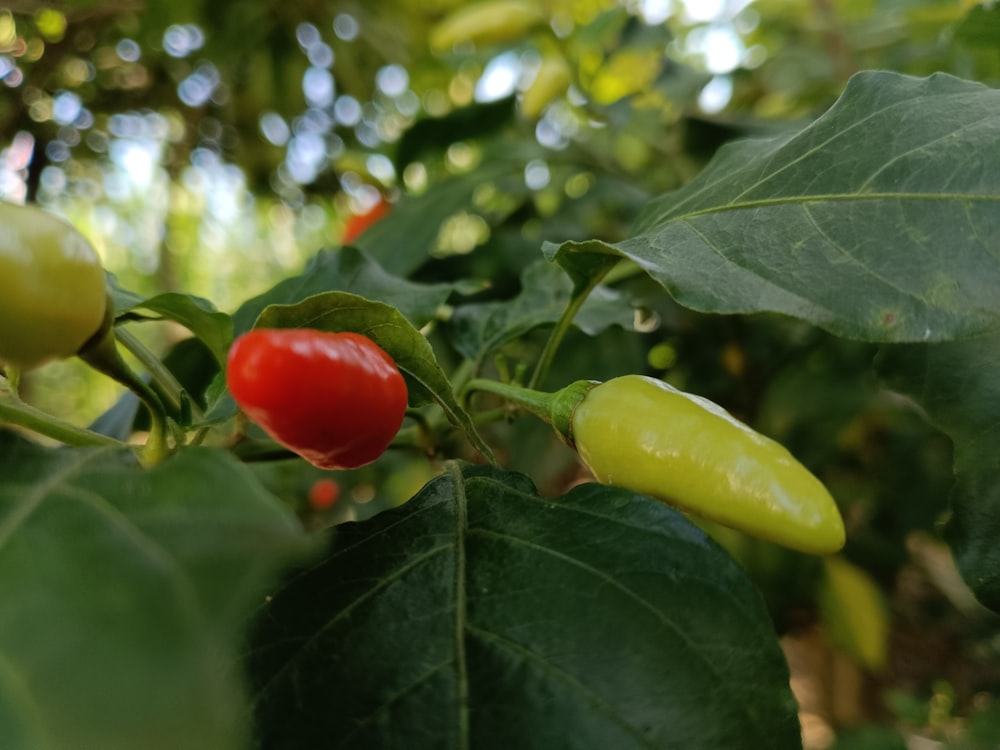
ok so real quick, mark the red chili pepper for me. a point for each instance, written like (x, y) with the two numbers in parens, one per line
(336, 399)
(358, 223)
(323, 494)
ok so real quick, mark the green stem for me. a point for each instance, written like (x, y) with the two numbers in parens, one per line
(555, 408)
(462, 373)
(536, 402)
(22, 414)
(254, 451)
(103, 355)
(164, 378)
(562, 327)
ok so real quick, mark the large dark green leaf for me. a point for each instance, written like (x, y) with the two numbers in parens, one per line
(480, 615)
(878, 221)
(545, 291)
(124, 592)
(958, 386)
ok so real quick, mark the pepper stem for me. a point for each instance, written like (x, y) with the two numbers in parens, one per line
(581, 291)
(103, 355)
(162, 376)
(15, 411)
(555, 408)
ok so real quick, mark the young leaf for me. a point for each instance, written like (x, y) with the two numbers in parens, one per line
(478, 329)
(124, 592)
(214, 328)
(876, 222)
(480, 615)
(348, 270)
(340, 311)
(958, 386)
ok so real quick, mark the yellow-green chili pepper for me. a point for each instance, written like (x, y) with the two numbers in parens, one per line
(486, 22)
(641, 434)
(52, 287)
(551, 80)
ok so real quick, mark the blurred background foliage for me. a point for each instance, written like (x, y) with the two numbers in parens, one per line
(212, 148)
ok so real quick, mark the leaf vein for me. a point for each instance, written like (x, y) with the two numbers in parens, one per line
(346, 610)
(917, 149)
(461, 603)
(595, 700)
(832, 198)
(663, 617)
(859, 263)
(38, 494)
(390, 700)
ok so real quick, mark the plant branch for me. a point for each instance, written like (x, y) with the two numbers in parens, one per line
(17, 412)
(171, 387)
(562, 328)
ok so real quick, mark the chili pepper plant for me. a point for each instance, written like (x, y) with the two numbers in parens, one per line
(541, 521)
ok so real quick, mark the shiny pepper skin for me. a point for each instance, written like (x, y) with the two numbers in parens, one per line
(52, 287)
(336, 399)
(641, 434)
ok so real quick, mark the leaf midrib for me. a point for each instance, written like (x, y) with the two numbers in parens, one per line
(826, 198)
(461, 607)
(782, 144)
(40, 492)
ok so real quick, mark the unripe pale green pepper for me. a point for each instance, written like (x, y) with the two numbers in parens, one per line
(642, 434)
(52, 287)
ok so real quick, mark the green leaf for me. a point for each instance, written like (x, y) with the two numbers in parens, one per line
(215, 329)
(877, 221)
(340, 311)
(403, 240)
(980, 28)
(348, 270)
(480, 615)
(478, 329)
(125, 591)
(434, 134)
(958, 385)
